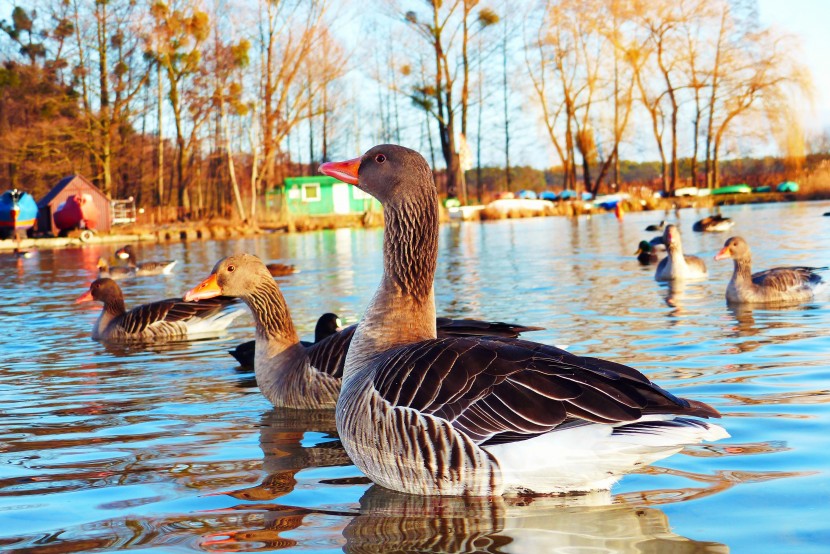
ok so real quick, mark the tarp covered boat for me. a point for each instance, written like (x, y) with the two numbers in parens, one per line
(77, 212)
(18, 212)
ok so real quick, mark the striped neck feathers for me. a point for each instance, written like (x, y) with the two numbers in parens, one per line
(410, 246)
(743, 268)
(115, 306)
(402, 310)
(270, 312)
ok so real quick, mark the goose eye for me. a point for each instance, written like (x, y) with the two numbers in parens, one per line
(231, 268)
(380, 158)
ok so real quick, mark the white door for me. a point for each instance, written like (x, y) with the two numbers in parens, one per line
(340, 198)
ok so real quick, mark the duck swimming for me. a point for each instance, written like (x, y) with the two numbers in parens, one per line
(713, 224)
(646, 253)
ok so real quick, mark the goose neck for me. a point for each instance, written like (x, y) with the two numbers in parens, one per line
(743, 269)
(402, 310)
(270, 313)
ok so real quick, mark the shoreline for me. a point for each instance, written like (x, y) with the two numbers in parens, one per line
(230, 230)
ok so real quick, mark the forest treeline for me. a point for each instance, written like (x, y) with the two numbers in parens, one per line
(198, 108)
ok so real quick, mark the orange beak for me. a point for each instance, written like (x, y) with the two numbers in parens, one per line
(208, 288)
(723, 254)
(345, 171)
(85, 297)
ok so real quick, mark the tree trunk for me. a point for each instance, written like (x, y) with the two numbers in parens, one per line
(223, 110)
(160, 179)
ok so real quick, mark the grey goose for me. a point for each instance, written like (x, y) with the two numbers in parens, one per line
(780, 285)
(473, 415)
(289, 373)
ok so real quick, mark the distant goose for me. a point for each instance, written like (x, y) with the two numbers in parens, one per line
(24, 253)
(676, 265)
(781, 285)
(289, 373)
(645, 253)
(171, 319)
(713, 223)
(280, 270)
(658, 227)
(105, 271)
(473, 415)
(144, 268)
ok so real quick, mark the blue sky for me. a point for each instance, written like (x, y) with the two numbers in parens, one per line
(809, 20)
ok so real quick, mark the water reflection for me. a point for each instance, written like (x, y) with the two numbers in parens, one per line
(282, 433)
(171, 447)
(396, 522)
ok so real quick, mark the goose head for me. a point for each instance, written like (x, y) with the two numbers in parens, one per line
(671, 237)
(236, 276)
(102, 290)
(735, 248)
(390, 173)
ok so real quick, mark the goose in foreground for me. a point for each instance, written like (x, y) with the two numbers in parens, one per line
(657, 227)
(164, 320)
(714, 223)
(105, 271)
(474, 415)
(144, 268)
(781, 285)
(678, 266)
(289, 373)
(646, 254)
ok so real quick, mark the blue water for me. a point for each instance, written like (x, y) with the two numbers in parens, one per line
(172, 448)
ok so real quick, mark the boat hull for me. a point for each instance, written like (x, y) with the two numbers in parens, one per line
(18, 213)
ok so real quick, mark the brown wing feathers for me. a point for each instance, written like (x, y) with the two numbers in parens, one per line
(329, 354)
(169, 311)
(513, 390)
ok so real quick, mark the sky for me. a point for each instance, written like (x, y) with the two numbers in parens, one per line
(807, 19)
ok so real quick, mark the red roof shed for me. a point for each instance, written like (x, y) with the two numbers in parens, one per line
(72, 185)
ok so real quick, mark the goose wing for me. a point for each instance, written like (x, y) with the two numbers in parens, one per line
(170, 310)
(329, 354)
(788, 278)
(504, 390)
(448, 327)
(695, 263)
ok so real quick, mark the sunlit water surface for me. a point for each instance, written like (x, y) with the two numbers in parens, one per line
(172, 448)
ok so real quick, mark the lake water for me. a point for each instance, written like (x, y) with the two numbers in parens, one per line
(172, 448)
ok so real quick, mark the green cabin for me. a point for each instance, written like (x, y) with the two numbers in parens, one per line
(324, 195)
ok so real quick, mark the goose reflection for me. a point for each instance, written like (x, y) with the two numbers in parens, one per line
(282, 434)
(394, 522)
(760, 324)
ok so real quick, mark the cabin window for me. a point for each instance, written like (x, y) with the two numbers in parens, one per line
(311, 192)
(358, 194)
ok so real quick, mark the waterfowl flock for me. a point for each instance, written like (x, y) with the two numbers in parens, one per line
(434, 406)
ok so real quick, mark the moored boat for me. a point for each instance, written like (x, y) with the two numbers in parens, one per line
(18, 211)
(77, 212)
